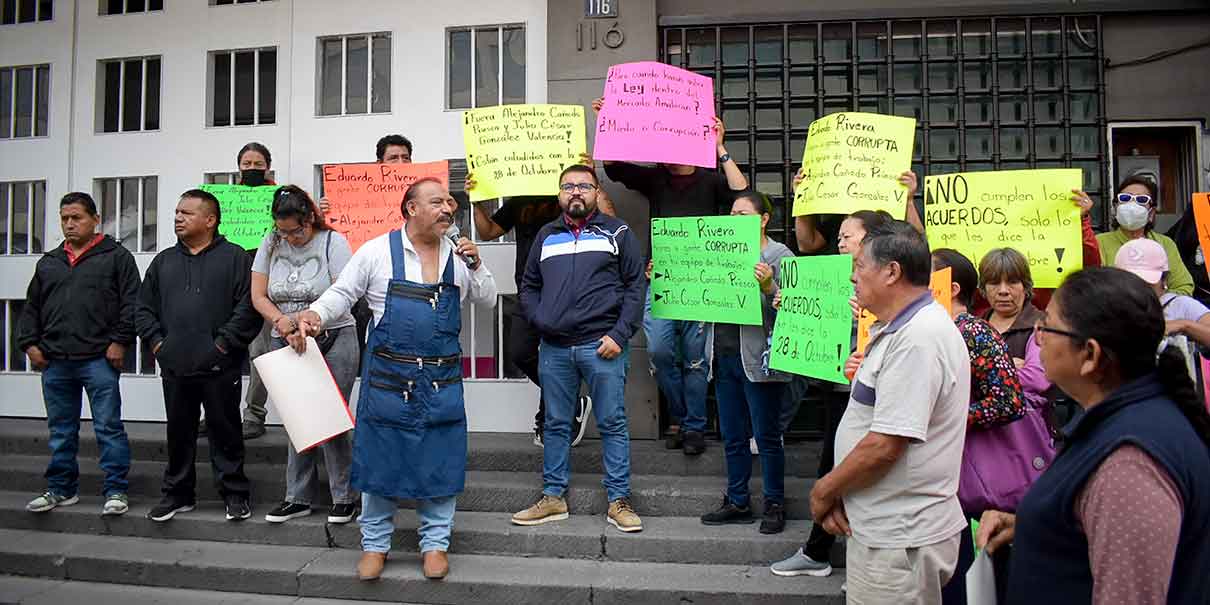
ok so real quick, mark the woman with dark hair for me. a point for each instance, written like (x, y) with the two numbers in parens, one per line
(254, 161)
(298, 260)
(1134, 218)
(1122, 514)
(1005, 281)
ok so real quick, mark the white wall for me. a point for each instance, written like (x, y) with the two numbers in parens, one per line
(184, 148)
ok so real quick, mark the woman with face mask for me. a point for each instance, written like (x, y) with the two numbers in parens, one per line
(254, 162)
(1134, 216)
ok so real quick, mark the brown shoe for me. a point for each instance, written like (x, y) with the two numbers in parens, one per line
(370, 566)
(436, 564)
(622, 516)
(546, 509)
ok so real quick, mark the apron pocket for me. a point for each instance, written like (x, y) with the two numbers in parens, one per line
(391, 400)
(443, 400)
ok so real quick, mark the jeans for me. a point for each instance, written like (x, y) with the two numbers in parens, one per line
(62, 382)
(257, 396)
(678, 361)
(302, 474)
(562, 369)
(378, 522)
(741, 403)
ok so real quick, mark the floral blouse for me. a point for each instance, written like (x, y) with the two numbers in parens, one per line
(996, 397)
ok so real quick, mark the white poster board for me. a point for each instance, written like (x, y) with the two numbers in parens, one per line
(305, 395)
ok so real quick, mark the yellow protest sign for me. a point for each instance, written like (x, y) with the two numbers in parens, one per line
(852, 161)
(521, 149)
(1028, 210)
(940, 284)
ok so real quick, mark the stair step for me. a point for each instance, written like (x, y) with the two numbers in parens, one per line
(512, 452)
(663, 539)
(489, 491)
(328, 573)
(41, 591)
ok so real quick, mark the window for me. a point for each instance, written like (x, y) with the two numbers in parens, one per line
(243, 87)
(22, 217)
(354, 75)
(227, 2)
(128, 210)
(485, 66)
(128, 94)
(228, 178)
(14, 359)
(24, 101)
(25, 11)
(123, 7)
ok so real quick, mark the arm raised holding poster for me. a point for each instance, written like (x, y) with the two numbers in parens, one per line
(654, 112)
(853, 161)
(521, 149)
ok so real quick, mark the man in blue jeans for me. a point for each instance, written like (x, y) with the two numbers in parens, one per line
(77, 322)
(583, 290)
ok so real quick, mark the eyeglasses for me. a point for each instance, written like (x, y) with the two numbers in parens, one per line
(1126, 198)
(299, 232)
(1041, 328)
(574, 187)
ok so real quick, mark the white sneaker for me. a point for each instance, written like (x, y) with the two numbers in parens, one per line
(585, 409)
(116, 504)
(50, 500)
(752, 446)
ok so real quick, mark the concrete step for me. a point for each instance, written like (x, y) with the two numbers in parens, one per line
(489, 491)
(17, 590)
(329, 573)
(663, 539)
(486, 451)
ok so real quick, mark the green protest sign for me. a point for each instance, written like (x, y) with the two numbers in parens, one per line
(814, 327)
(247, 215)
(702, 269)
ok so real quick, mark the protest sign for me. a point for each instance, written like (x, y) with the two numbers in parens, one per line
(941, 285)
(814, 322)
(852, 161)
(1201, 216)
(657, 113)
(1028, 210)
(521, 149)
(305, 395)
(702, 269)
(246, 212)
(365, 199)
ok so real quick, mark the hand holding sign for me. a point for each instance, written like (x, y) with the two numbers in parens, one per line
(853, 161)
(702, 269)
(654, 112)
(520, 149)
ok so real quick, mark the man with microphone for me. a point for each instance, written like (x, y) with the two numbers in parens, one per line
(410, 441)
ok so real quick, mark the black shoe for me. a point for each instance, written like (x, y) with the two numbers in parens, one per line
(729, 514)
(252, 430)
(283, 512)
(538, 437)
(674, 441)
(237, 508)
(167, 509)
(774, 520)
(342, 513)
(695, 443)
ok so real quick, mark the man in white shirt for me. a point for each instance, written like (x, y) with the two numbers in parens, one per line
(894, 489)
(410, 441)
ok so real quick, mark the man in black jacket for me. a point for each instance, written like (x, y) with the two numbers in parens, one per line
(76, 325)
(195, 310)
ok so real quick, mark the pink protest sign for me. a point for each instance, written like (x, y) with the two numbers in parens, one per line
(656, 113)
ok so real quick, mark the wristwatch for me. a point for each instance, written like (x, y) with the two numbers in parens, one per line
(723, 159)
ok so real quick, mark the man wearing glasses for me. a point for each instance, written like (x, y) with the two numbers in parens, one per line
(583, 290)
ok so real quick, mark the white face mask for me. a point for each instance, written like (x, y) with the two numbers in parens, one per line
(1132, 216)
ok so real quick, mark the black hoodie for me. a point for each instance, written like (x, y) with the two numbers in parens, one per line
(76, 312)
(191, 305)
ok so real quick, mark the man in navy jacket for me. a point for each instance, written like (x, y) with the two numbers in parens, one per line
(583, 289)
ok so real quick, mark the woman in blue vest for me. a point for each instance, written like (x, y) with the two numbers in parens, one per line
(1123, 513)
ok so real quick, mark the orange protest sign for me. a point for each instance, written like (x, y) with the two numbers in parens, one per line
(1201, 215)
(364, 199)
(939, 285)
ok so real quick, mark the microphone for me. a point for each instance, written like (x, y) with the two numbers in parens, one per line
(453, 233)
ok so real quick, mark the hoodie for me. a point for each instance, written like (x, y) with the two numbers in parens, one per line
(198, 308)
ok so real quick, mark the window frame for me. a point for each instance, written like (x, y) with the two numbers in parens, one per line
(31, 219)
(35, 114)
(344, 73)
(102, 9)
(473, 30)
(140, 209)
(103, 91)
(38, 16)
(211, 79)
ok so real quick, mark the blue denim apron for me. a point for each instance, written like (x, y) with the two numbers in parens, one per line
(410, 440)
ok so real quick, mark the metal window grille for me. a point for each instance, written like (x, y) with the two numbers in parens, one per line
(362, 81)
(22, 217)
(993, 93)
(128, 96)
(243, 87)
(485, 66)
(129, 213)
(24, 101)
(126, 7)
(25, 11)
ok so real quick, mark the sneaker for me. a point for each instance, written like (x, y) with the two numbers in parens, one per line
(342, 513)
(167, 509)
(695, 443)
(115, 504)
(774, 520)
(252, 430)
(622, 516)
(283, 512)
(729, 514)
(237, 508)
(546, 509)
(580, 423)
(799, 564)
(49, 500)
(538, 438)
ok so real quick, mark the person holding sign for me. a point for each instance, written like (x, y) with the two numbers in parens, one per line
(748, 392)
(254, 161)
(820, 233)
(410, 440)
(894, 490)
(196, 313)
(1134, 216)
(583, 290)
(678, 348)
(296, 262)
